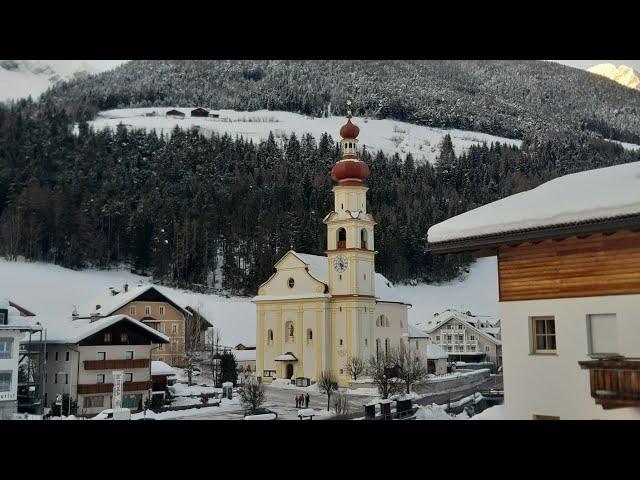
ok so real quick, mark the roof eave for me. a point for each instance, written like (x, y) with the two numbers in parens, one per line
(488, 243)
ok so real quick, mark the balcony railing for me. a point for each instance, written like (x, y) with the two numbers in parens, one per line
(116, 364)
(342, 244)
(91, 388)
(615, 381)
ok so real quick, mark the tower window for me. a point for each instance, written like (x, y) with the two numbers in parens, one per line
(270, 336)
(291, 282)
(309, 336)
(342, 238)
(340, 342)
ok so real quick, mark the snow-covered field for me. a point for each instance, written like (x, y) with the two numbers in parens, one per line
(52, 291)
(390, 136)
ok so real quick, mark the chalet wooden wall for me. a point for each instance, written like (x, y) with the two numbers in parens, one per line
(572, 267)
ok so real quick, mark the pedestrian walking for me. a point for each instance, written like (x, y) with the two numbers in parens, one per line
(297, 401)
(306, 400)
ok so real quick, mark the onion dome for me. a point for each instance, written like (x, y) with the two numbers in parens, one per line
(350, 169)
(349, 130)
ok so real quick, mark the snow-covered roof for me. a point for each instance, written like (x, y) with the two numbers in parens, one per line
(14, 320)
(109, 303)
(158, 367)
(318, 267)
(61, 330)
(244, 355)
(415, 332)
(435, 351)
(589, 196)
(286, 357)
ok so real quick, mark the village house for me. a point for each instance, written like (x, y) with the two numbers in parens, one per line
(14, 326)
(434, 357)
(465, 337)
(199, 112)
(568, 257)
(82, 353)
(175, 113)
(153, 306)
(314, 312)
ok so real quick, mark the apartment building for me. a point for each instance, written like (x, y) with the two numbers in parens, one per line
(465, 337)
(82, 354)
(158, 308)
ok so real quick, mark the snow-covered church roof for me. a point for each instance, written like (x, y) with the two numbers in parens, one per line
(318, 267)
(585, 197)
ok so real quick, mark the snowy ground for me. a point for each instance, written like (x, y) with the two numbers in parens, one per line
(389, 136)
(53, 291)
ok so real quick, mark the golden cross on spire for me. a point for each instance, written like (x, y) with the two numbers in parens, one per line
(348, 108)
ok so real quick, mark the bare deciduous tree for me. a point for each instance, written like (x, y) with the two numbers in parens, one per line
(355, 366)
(381, 367)
(194, 325)
(213, 348)
(412, 368)
(340, 404)
(327, 383)
(251, 393)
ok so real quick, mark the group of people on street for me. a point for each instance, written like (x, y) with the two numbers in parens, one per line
(302, 400)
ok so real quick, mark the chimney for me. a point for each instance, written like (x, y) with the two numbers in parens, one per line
(94, 317)
(126, 287)
(74, 314)
(112, 291)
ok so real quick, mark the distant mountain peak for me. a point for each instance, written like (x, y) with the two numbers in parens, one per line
(621, 74)
(21, 78)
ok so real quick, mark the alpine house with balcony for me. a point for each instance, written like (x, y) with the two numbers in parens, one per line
(569, 288)
(82, 354)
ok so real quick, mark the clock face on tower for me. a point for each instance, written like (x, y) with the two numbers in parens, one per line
(340, 263)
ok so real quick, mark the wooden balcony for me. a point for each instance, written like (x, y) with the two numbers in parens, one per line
(116, 364)
(615, 381)
(91, 388)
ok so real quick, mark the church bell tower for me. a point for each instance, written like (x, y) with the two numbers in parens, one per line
(350, 242)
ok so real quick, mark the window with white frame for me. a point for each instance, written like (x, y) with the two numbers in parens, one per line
(603, 334)
(132, 311)
(101, 355)
(99, 378)
(93, 402)
(128, 377)
(174, 328)
(6, 347)
(161, 309)
(128, 355)
(5, 381)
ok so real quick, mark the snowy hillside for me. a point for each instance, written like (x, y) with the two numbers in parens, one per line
(21, 78)
(390, 136)
(52, 291)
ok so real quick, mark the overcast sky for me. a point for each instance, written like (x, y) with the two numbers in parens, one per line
(635, 64)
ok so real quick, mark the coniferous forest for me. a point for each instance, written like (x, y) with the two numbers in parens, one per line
(217, 212)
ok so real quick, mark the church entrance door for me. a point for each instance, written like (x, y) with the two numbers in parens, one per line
(289, 370)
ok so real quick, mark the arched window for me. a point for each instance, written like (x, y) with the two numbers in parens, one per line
(289, 332)
(309, 336)
(342, 238)
(378, 322)
(269, 336)
(363, 239)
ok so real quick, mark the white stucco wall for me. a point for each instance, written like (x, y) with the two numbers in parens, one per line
(555, 384)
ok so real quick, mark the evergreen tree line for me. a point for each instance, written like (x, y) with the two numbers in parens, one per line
(216, 213)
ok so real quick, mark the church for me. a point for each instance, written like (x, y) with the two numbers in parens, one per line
(316, 311)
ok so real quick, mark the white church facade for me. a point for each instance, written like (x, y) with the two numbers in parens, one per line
(316, 311)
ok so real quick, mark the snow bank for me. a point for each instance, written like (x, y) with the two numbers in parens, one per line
(390, 136)
(496, 412)
(591, 195)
